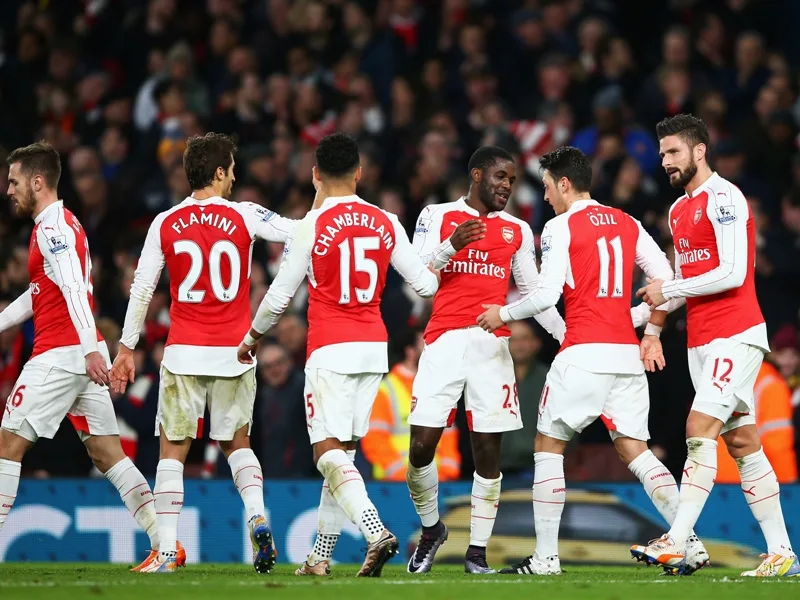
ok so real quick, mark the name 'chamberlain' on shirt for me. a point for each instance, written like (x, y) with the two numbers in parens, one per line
(351, 219)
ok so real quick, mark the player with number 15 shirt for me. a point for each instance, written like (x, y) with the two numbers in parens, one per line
(344, 246)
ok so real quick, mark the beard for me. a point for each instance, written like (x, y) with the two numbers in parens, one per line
(684, 177)
(24, 204)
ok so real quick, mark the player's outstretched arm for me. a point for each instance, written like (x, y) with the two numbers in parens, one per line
(145, 279)
(61, 256)
(526, 276)
(293, 269)
(16, 313)
(264, 223)
(409, 264)
(555, 264)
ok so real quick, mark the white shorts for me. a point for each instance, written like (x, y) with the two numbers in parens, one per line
(182, 401)
(723, 375)
(474, 363)
(44, 395)
(338, 405)
(572, 399)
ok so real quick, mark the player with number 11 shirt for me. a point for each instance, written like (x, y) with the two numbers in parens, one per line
(205, 242)
(589, 252)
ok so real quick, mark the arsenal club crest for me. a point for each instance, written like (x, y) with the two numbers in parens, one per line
(508, 234)
(697, 214)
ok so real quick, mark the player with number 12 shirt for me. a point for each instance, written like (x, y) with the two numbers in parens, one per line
(589, 253)
(205, 242)
(714, 236)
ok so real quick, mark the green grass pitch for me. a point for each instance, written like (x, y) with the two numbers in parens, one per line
(31, 581)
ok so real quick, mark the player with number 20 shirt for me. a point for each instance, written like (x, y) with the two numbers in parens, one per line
(206, 243)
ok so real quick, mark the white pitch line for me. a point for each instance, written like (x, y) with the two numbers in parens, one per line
(159, 581)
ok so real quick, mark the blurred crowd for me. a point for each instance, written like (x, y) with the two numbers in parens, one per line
(118, 85)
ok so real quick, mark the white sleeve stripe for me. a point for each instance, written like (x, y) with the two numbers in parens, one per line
(725, 268)
(84, 324)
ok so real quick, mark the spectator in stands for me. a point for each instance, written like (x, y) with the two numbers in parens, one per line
(280, 416)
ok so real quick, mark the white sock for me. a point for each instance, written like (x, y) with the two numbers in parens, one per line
(699, 472)
(330, 520)
(485, 498)
(249, 480)
(658, 482)
(549, 496)
(762, 492)
(9, 482)
(347, 487)
(423, 485)
(169, 502)
(137, 496)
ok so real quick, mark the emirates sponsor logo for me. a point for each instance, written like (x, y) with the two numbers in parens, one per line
(413, 404)
(688, 255)
(6, 506)
(559, 490)
(145, 493)
(693, 256)
(177, 503)
(476, 264)
(657, 475)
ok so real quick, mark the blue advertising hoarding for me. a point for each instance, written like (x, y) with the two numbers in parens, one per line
(84, 520)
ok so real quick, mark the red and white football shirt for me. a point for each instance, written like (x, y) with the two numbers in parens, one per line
(714, 237)
(588, 254)
(479, 273)
(206, 246)
(60, 292)
(345, 247)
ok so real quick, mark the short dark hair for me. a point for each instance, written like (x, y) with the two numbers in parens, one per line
(39, 158)
(486, 156)
(689, 128)
(337, 155)
(571, 163)
(204, 155)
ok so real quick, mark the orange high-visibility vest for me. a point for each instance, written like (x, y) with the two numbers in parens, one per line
(386, 444)
(773, 400)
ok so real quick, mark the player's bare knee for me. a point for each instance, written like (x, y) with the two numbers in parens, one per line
(13, 446)
(628, 449)
(320, 448)
(104, 450)
(422, 445)
(701, 425)
(237, 443)
(742, 441)
(545, 443)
